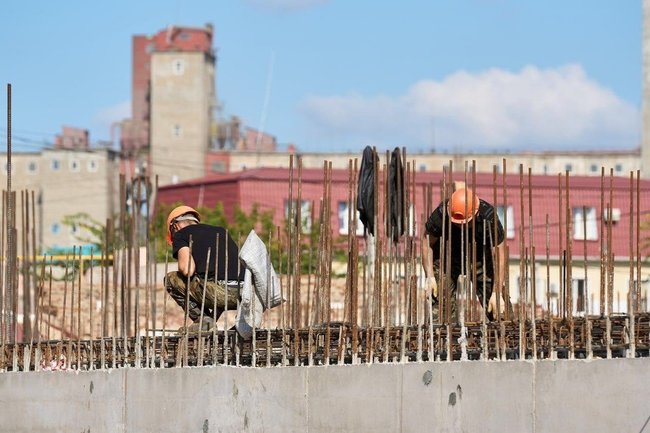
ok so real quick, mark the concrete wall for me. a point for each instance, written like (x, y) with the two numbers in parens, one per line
(514, 396)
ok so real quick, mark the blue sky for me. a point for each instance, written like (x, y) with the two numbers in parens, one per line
(462, 75)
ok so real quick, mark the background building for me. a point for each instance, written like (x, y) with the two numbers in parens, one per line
(67, 179)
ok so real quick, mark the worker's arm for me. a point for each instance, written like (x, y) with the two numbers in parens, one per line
(427, 263)
(499, 254)
(185, 262)
(427, 249)
(500, 271)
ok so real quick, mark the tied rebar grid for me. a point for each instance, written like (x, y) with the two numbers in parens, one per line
(586, 338)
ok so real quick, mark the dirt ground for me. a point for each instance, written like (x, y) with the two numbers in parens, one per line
(66, 311)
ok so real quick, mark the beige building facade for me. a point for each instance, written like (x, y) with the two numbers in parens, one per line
(620, 163)
(183, 97)
(62, 183)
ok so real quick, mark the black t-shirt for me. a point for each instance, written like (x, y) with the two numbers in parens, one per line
(484, 217)
(204, 237)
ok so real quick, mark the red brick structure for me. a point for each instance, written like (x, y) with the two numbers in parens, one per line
(269, 189)
(135, 131)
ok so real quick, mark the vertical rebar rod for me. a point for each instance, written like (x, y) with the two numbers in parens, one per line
(531, 242)
(533, 313)
(523, 283)
(610, 283)
(10, 255)
(49, 303)
(33, 249)
(226, 328)
(65, 296)
(584, 250)
(22, 269)
(506, 278)
(637, 240)
(205, 289)
(215, 341)
(297, 321)
(3, 304)
(497, 260)
(522, 261)
(79, 330)
(187, 306)
(72, 306)
(602, 243)
(91, 360)
(631, 293)
(561, 269)
(163, 347)
(291, 245)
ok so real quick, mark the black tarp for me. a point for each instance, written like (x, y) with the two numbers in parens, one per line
(366, 189)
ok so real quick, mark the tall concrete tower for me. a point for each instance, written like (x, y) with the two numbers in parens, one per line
(183, 96)
(645, 96)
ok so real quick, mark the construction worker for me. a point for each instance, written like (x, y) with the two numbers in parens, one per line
(472, 223)
(190, 241)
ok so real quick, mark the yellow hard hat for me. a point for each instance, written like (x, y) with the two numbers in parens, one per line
(461, 211)
(175, 213)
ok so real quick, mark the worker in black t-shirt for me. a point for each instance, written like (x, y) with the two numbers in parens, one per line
(471, 219)
(223, 269)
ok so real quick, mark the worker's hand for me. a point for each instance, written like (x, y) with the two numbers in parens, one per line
(431, 284)
(492, 304)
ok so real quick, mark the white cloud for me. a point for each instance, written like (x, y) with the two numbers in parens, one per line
(286, 5)
(105, 117)
(532, 109)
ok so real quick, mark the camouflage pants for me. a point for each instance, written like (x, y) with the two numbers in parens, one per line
(451, 284)
(215, 295)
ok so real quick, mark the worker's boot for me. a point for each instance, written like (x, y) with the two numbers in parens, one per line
(206, 326)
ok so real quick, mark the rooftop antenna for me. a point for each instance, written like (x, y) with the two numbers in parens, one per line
(267, 97)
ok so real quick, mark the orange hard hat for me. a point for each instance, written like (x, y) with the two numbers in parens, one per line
(461, 211)
(175, 213)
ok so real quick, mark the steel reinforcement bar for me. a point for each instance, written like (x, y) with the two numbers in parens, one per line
(593, 337)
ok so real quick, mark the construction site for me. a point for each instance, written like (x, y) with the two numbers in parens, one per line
(350, 349)
(91, 340)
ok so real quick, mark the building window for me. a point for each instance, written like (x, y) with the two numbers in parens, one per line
(594, 168)
(92, 165)
(74, 165)
(568, 167)
(618, 168)
(55, 165)
(508, 217)
(178, 67)
(423, 168)
(585, 226)
(177, 131)
(32, 167)
(545, 169)
(344, 218)
(411, 221)
(55, 229)
(218, 167)
(579, 295)
(305, 214)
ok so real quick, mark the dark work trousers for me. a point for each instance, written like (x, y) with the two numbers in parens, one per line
(176, 285)
(451, 282)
